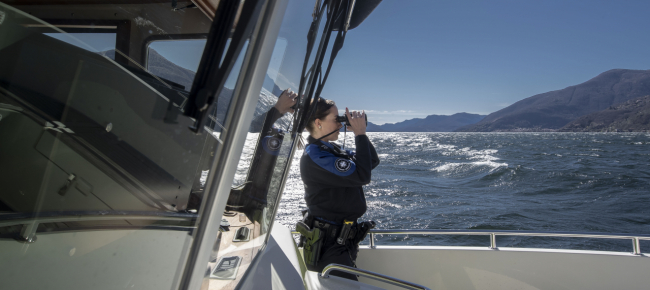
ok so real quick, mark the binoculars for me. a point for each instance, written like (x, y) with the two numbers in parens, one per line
(344, 119)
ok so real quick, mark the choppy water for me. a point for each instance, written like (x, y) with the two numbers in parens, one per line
(580, 182)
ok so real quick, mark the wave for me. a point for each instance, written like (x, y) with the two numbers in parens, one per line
(463, 167)
(500, 227)
(498, 181)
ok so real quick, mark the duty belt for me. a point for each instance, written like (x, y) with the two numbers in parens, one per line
(342, 233)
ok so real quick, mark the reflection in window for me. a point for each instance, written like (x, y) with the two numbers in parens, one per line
(254, 194)
(175, 60)
(100, 42)
(97, 161)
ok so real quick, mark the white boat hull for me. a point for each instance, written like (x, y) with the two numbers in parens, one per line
(506, 268)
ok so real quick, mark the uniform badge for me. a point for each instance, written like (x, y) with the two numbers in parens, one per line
(273, 143)
(342, 165)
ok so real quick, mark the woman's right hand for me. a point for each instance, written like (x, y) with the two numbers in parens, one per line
(357, 121)
(286, 101)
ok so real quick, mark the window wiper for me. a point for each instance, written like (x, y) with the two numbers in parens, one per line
(338, 13)
(342, 15)
(212, 73)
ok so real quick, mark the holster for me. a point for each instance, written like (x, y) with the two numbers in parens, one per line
(313, 233)
(313, 240)
(308, 220)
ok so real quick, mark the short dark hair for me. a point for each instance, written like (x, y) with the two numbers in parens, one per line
(322, 110)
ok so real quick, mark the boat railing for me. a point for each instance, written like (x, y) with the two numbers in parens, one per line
(635, 238)
(372, 275)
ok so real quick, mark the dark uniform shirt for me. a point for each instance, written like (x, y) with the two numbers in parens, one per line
(334, 178)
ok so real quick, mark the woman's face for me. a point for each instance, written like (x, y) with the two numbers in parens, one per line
(328, 125)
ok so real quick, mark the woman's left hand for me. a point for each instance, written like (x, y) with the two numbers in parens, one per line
(357, 121)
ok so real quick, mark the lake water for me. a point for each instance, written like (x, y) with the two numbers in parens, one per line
(578, 182)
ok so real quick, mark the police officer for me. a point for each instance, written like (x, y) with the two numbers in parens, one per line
(333, 181)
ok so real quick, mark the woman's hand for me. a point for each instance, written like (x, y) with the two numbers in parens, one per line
(357, 121)
(286, 100)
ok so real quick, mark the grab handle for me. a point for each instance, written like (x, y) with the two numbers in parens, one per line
(372, 275)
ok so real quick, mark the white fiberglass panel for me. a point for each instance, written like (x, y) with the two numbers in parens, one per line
(127, 259)
(506, 268)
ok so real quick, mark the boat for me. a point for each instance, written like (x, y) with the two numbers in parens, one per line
(127, 159)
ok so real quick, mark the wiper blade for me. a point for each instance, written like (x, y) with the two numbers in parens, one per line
(213, 72)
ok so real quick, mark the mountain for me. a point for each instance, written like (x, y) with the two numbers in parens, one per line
(370, 128)
(552, 110)
(269, 85)
(374, 128)
(160, 66)
(631, 116)
(432, 123)
(108, 53)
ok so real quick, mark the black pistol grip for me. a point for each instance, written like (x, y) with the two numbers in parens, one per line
(304, 230)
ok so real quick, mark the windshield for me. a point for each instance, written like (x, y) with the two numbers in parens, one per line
(97, 159)
(85, 93)
(99, 163)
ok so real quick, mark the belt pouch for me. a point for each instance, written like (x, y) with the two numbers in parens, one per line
(344, 235)
(362, 230)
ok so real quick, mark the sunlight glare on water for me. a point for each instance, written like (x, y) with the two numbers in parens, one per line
(583, 182)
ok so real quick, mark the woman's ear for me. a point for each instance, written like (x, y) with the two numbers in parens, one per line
(317, 123)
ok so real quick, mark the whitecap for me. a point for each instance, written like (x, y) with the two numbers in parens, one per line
(466, 166)
(485, 157)
(445, 146)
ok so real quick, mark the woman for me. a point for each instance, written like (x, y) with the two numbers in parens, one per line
(333, 181)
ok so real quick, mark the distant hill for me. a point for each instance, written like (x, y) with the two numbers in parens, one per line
(432, 123)
(553, 110)
(631, 116)
(270, 86)
(160, 66)
(374, 128)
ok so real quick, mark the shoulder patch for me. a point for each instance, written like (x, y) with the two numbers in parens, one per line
(325, 159)
(273, 143)
(342, 165)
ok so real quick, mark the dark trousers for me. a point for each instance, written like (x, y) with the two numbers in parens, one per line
(332, 252)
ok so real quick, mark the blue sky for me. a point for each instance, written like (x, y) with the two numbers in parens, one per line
(413, 58)
(416, 58)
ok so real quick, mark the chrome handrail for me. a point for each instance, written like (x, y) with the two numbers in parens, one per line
(369, 274)
(493, 234)
(635, 238)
